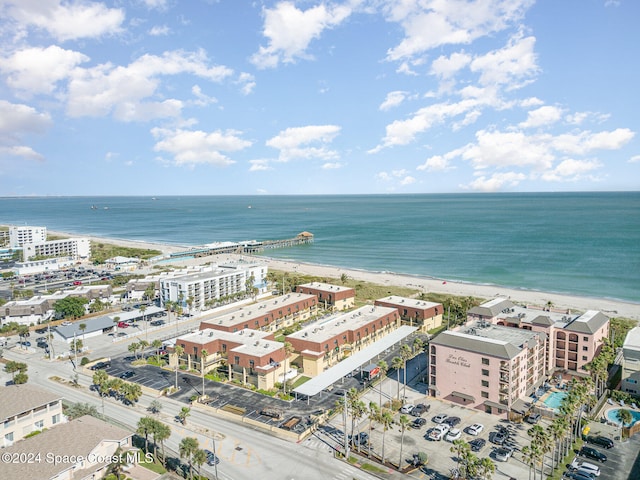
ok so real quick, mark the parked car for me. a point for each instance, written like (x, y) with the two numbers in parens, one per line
(475, 429)
(77, 282)
(477, 443)
(453, 434)
(127, 374)
(42, 345)
(361, 439)
(498, 438)
(212, 459)
(503, 454)
(123, 325)
(532, 418)
(101, 365)
(441, 417)
(593, 454)
(579, 464)
(418, 422)
(407, 408)
(601, 441)
(25, 343)
(577, 476)
(419, 409)
(452, 421)
(65, 324)
(438, 432)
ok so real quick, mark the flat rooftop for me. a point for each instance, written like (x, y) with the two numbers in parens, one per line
(408, 302)
(341, 322)
(328, 287)
(252, 342)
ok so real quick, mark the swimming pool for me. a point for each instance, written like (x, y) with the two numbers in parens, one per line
(554, 400)
(612, 416)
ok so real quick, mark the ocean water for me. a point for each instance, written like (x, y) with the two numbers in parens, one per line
(576, 243)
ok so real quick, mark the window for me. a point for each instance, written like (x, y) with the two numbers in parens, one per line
(9, 437)
(584, 358)
(485, 361)
(485, 373)
(224, 348)
(485, 383)
(252, 364)
(39, 424)
(586, 339)
(55, 419)
(484, 394)
(585, 349)
(236, 360)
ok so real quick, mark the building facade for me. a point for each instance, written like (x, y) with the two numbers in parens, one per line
(485, 366)
(630, 382)
(413, 312)
(334, 296)
(268, 315)
(20, 236)
(78, 248)
(323, 344)
(25, 409)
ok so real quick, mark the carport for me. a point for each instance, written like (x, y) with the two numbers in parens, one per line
(355, 361)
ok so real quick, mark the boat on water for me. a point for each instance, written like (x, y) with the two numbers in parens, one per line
(93, 207)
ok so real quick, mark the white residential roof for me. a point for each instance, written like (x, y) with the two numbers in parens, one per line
(363, 357)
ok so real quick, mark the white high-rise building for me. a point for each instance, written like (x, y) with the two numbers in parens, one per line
(19, 236)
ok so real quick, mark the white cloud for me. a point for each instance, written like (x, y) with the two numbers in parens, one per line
(159, 31)
(259, 165)
(584, 142)
(290, 31)
(571, 170)
(202, 99)
(293, 142)
(16, 122)
(437, 163)
(542, 116)
(193, 147)
(495, 182)
(66, 20)
(400, 176)
(447, 67)
(247, 83)
(634, 159)
(155, 4)
(408, 180)
(37, 70)
(512, 66)
(393, 99)
(431, 24)
(332, 166)
(129, 92)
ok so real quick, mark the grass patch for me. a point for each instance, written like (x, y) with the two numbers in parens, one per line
(154, 467)
(154, 361)
(300, 381)
(101, 251)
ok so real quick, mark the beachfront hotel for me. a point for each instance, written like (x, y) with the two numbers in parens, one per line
(251, 356)
(322, 344)
(413, 312)
(485, 366)
(213, 284)
(630, 382)
(19, 236)
(574, 339)
(337, 297)
(78, 248)
(268, 315)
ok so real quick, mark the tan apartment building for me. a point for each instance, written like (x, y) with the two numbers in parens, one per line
(268, 315)
(323, 344)
(486, 366)
(336, 296)
(413, 312)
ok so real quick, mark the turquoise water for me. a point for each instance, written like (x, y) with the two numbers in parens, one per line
(612, 415)
(576, 243)
(554, 400)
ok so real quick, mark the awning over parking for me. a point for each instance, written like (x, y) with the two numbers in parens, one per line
(489, 403)
(464, 396)
(355, 361)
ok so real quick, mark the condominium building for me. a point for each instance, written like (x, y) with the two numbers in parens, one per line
(323, 344)
(268, 315)
(78, 248)
(630, 382)
(336, 296)
(210, 285)
(414, 312)
(485, 366)
(25, 409)
(20, 236)
(574, 339)
(251, 356)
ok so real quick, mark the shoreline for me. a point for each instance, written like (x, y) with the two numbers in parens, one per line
(610, 307)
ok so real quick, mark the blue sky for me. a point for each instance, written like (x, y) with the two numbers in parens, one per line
(171, 97)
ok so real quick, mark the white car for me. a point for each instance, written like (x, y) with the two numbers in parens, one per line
(65, 324)
(438, 432)
(503, 454)
(475, 429)
(407, 408)
(454, 434)
(440, 418)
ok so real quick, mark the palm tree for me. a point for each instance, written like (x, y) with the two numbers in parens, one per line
(487, 468)
(199, 457)
(418, 345)
(343, 278)
(529, 457)
(132, 392)
(384, 368)
(133, 348)
(161, 433)
(187, 449)
(374, 416)
(82, 327)
(386, 420)
(116, 321)
(178, 351)
(288, 350)
(540, 439)
(358, 410)
(145, 427)
(155, 406)
(143, 308)
(459, 447)
(396, 364)
(625, 417)
(157, 344)
(184, 413)
(405, 353)
(203, 358)
(404, 422)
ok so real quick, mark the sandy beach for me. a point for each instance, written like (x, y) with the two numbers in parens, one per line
(612, 308)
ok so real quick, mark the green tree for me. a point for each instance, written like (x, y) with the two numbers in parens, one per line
(70, 307)
(161, 433)
(20, 378)
(184, 413)
(386, 420)
(623, 415)
(155, 406)
(373, 416)
(203, 359)
(460, 448)
(486, 468)
(288, 350)
(157, 344)
(144, 429)
(14, 368)
(405, 353)
(396, 364)
(100, 377)
(187, 449)
(199, 457)
(133, 348)
(82, 327)
(131, 392)
(77, 410)
(384, 368)
(404, 423)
